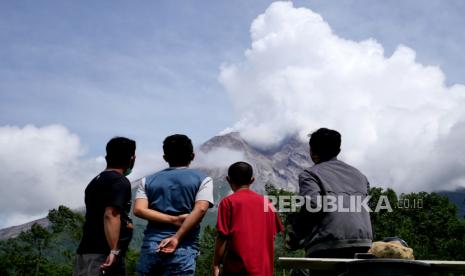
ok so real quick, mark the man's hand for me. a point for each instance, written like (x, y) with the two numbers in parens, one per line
(216, 270)
(168, 245)
(111, 260)
(220, 248)
(142, 210)
(180, 219)
(111, 224)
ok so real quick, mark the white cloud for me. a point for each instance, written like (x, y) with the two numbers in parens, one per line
(217, 158)
(41, 168)
(400, 123)
(44, 167)
(18, 218)
(146, 163)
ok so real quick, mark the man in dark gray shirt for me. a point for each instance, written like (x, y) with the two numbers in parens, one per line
(338, 233)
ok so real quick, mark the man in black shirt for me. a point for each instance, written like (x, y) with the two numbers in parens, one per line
(108, 229)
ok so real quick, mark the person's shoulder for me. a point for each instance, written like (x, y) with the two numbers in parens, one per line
(322, 168)
(241, 197)
(94, 182)
(308, 171)
(226, 200)
(123, 179)
(196, 172)
(96, 178)
(232, 197)
(190, 173)
(333, 164)
(112, 180)
(348, 167)
(156, 174)
(245, 195)
(111, 176)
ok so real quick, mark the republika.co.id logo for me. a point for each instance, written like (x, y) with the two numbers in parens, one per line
(337, 203)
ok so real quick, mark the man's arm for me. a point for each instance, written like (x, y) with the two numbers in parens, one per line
(220, 248)
(300, 223)
(142, 210)
(308, 185)
(169, 245)
(111, 224)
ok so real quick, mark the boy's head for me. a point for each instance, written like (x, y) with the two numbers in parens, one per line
(325, 144)
(121, 153)
(178, 150)
(240, 174)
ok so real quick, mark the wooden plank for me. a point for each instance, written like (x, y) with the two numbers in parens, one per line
(331, 264)
(313, 263)
(447, 265)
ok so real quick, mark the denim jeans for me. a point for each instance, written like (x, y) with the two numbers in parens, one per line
(181, 262)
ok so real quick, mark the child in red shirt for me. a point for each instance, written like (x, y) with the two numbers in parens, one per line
(247, 225)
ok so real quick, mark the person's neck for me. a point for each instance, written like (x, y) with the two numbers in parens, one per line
(319, 161)
(243, 187)
(118, 170)
(179, 165)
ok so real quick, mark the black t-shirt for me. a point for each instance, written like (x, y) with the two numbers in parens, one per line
(108, 189)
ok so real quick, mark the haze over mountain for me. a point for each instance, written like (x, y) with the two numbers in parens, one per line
(294, 70)
(278, 166)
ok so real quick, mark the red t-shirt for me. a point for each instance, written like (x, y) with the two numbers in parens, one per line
(249, 223)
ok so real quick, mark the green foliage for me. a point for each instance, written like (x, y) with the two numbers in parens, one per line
(427, 221)
(430, 225)
(43, 251)
(25, 254)
(132, 257)
(207, 251)
(280, 241)
(64, 219)
(16, 257)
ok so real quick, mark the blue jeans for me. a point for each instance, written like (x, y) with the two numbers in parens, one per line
(181, 262)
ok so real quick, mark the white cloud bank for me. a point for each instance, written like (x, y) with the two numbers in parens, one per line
(400, 123)
(41, 168)
(217, 158)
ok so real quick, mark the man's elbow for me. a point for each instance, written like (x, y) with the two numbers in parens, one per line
(111, 214)
(202, 207)
(138, 212)
(203, 210)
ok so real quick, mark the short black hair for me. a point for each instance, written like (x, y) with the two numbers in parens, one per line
(240, 173)
(178, 150)
(119, 152)
(325, 143)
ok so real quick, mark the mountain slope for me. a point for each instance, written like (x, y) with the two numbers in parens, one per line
(458, 198)
(279, 167)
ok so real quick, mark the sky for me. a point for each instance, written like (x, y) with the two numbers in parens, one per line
(388, 74)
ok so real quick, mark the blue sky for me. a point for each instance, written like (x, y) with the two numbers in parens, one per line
(147, 69)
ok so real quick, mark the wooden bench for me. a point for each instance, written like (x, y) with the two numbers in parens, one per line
(333, 264)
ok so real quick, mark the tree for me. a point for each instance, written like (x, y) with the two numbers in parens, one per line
(132, 256)
(280, 241)
(43, 250)
(24, 255)
(427, 221)
(207, 251)
(64, 218)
